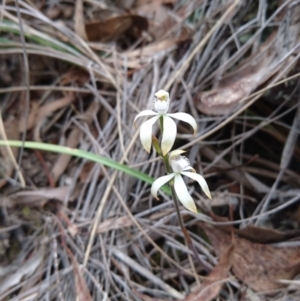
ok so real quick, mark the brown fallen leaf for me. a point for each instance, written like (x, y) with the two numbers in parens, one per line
(257, 234)
(233, 87)
(115, 27)
(155, 12)
(259, 266)
(161, 20)
(251, 73)
(264, 235)
(210, 288)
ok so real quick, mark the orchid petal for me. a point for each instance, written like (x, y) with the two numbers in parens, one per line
(146, 133)
(175, 153)
(201, 181)
(186, 118)
(160, 182)
(183, 194)
(144, 113)
(169, 134)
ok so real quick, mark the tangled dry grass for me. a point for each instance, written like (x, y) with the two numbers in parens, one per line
(76, 74)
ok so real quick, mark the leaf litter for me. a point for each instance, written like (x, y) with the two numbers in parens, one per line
(260, 266)
(256, 69)
(92, 67)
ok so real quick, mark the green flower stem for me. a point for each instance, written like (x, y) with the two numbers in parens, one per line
(161, 123)
(176, 203)
(187, 238)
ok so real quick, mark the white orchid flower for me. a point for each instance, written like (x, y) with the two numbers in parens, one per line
(160, 109)
(181, 166)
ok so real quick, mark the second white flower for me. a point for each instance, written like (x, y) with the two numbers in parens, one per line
(181, 166)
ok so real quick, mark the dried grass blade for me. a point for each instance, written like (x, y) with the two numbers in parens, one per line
(145, 273)
(291, 141)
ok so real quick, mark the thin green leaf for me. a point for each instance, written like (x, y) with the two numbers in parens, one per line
(39, 37)
(85, 155)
